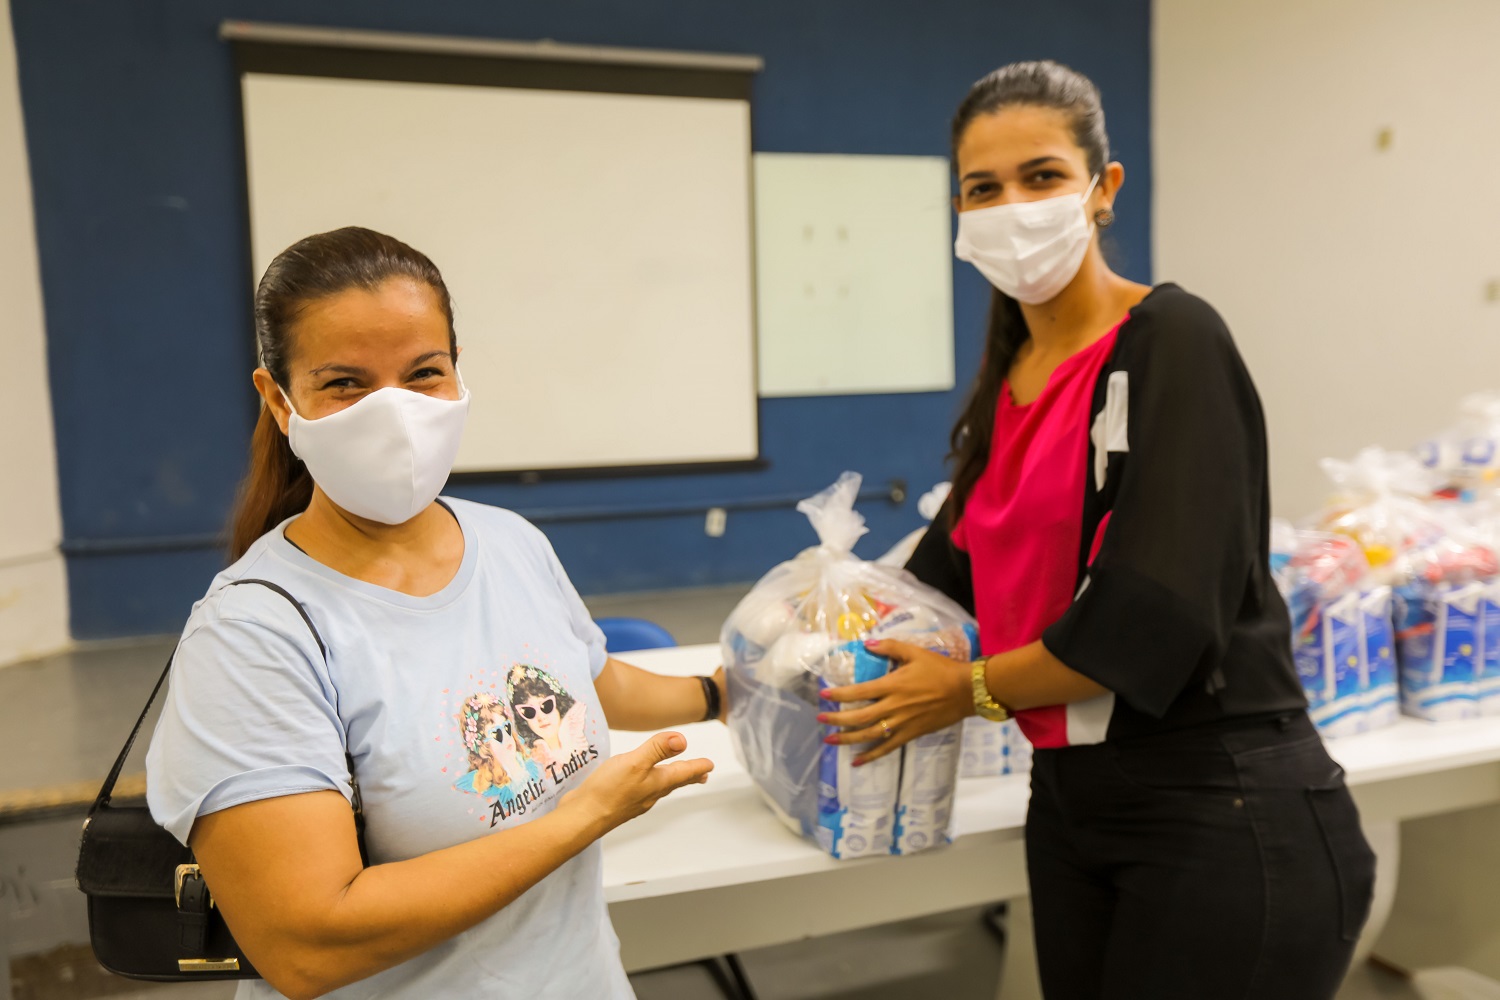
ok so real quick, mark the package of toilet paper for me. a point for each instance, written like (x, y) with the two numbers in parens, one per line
(802, 629)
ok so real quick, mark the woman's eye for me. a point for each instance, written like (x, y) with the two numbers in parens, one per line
(978, 190)
(423, 373)
(339, 383)
(1045, 175)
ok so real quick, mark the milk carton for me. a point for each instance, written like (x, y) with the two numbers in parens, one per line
(1439, 637)
(1340, 710)
(1377, 642)
(984, 748)
(929, 774)
(857, 805)
(1488, 686)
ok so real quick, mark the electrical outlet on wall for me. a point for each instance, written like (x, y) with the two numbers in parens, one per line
(716, 522)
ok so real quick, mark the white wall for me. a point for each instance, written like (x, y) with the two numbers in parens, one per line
(1354, 277)
(33, 591)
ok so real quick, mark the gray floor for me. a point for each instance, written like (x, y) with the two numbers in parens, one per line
(64, 717)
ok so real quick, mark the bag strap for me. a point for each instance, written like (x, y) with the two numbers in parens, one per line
(102, 799)
(108, 788)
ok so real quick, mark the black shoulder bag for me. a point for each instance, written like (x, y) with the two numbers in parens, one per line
(150, 914)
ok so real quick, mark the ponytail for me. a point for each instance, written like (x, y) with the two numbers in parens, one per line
(972, 434)
(276, 487)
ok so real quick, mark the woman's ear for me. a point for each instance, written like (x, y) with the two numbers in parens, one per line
(270, 395)
(1109, 184)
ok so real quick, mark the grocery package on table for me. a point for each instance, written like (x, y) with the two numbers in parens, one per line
(1431, 568)
(802, 629)
(1444, 588)
(1342, 637)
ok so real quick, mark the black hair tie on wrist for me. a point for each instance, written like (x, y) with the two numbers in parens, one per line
(711, 698)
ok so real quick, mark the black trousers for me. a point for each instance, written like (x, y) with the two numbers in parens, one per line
(1222, 863)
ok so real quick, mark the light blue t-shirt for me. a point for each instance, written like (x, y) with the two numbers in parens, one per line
(466, 712)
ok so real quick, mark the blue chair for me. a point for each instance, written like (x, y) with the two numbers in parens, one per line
(625, 635)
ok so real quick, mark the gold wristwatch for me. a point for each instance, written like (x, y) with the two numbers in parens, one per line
(984, 703)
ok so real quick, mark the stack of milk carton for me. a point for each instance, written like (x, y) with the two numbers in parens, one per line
(1342, 636)
(1448, 625)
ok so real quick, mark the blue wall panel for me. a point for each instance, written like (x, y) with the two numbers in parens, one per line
(132, 124)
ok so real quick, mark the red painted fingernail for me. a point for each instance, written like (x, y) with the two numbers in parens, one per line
(831, 740)
(871, 643)
(858, 761)
(822, 718)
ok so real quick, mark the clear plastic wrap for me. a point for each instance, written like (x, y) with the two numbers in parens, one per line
(801, 629)
(1380, 500)
(1465, 458)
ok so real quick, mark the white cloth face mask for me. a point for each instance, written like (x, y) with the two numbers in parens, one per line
(387, 456)
(1029, 250)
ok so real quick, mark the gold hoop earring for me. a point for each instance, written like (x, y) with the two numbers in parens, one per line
(1104, 218)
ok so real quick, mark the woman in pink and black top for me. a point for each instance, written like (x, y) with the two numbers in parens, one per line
(1188, 834)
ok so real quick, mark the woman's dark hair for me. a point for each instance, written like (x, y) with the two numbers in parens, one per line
(277, 485)
(526, 681)
(1043, 84)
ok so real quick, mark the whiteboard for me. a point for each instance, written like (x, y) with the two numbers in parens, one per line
(854, 272)
(597, 247)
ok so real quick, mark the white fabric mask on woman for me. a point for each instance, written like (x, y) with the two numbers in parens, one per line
(385, 457)
(1029, 250)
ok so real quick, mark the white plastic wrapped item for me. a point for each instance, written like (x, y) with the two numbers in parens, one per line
(1466, 456)
(801, 629)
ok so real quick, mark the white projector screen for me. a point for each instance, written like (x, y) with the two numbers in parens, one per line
(597, 247)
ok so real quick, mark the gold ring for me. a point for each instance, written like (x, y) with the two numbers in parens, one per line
(886, 727)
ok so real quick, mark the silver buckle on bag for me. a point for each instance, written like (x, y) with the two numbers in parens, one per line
(185, 872)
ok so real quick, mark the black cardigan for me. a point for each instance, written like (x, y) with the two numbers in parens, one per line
(1178, 615)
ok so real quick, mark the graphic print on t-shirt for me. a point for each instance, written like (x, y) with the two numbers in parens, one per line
(522, 742)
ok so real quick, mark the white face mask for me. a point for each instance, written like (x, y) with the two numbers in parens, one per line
(385, 457)
(1029, 250)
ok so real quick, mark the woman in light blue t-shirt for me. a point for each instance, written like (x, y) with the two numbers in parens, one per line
(444, 650)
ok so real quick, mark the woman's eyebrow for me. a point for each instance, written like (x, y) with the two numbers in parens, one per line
(1029, 164)
(342, 369)
(427, 357)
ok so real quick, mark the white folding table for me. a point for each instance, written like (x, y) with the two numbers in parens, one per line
(710, 871)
